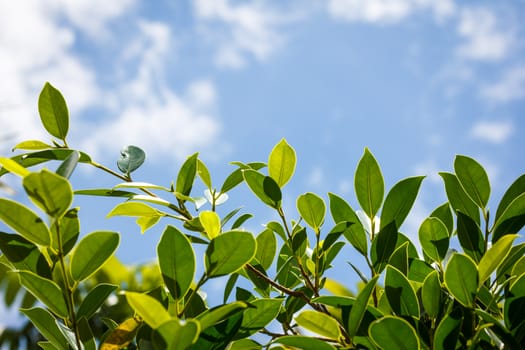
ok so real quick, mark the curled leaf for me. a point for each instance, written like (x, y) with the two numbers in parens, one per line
(131, 158)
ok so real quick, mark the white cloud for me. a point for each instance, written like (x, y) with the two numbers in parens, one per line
(484, 37)
(248, 29)
(492, 131)
(315, 177)
(386, 11)
(510, 87)
(430, 169)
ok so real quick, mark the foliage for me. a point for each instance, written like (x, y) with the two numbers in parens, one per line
(76, 294)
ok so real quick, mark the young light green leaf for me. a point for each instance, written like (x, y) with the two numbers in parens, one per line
(458, 198)
(434, 238)
(319, 323)
(431, 294)
(303, 342)
(400, 293)
(47, 291)
(25, 222)
(134, 209)
(281, 163)
(369, 184)
(391, 332)
(399, 200)
(266, 248)
(176, 261)
(261, 314)
(312, 209)
(461, 279)
(94, 299)
(264, 187)
(473, 179)
(131, 158)
(211, 223)
(187, 174)
(45, 323)
(148, 308)
(229, 252)
(92, 252)
(32, 145)
(204, 173)
(359, 308)
(220, 313)
(470, 236)
(140, 185)
(13, 167)
(494, 257)
(50, 192)
(53, 112)
(448, 330)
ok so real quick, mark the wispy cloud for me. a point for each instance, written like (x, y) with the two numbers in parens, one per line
(492, 131)
(510, 87)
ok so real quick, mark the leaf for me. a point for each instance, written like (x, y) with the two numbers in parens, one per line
(383, 246)
(25, 222)
(434, 238)
(241, 220)
(512, 219)
(86, 335)
(92, 252)
(458, 198)
(220, 313)
(470, 236)
(236, 177)
(399, 258)
(211, 223)
(23, 254)
(448, 330)
(473, 179)
(131, 158)
(50, 192)
(176, 261)
(187, 175)
(141, 185)
(391, 332)
(303, 342)
(123, 335)
(104, 192)
(431, 294)
(264, 187)
(516, 252)
(179, 334)
(257, 317)
(400, 294)
(32, 145)
(399, 201)
(94, 299)
(13, 167)
(281, 163)
(514, 306)
(355, 234)
(461, 279)
(229, 252)
(444, 214)
(312, 209)
(319, 323)
(53, 112)
(359, 308)
(47, 291)
(515, 190)
(134, 209)
(266, 248)
(148, 308)
(494, 257)
(369, 184)
(204, 173)
(45, 323)
(68, 165)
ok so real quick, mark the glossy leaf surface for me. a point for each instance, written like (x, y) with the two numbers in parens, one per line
(92, 252)
(473, 179)
(319, 323)
(392, 332)
(281, 163)
(186, 176)
(264, 187)
(434, 238)
(50, 192)
(312, 209)
(400, 294)
(53, 111)
(25, 222)
(229, 252)
(400, 200)
(47, 291)
(461, 278)
(369, 184)
(148, 308)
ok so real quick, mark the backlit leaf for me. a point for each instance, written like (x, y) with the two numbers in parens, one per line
(355, 233)
(32, 145)
(50, 192)
(369, 184)
(281, 163)
(461, 279)
(261, 314)
(359, 308)
(319, 323)
(229, 252)
(94, 299)
(220, 313)
(47, 291)
(400, 294)
(204, 173)
(92, 252)
(178, 334)
(383, 246)
(448, 330)
(394, 333)
(13, 167)
(303, 342)
(264, 187)
(431, 294)
(470, 236)
(25, 222)
(494, 257)
(516, 189)
(236, 177)
(45, 323)
(123, 335)
(53, 112)
(399, 200)
(459, 200)
(434, 238)
(148, 308)
(211, 223)
(266, 248)
(511, 219)
(473, 179)
(312, 209)
(187, 174)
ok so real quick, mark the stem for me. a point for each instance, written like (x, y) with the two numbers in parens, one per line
(487, 231)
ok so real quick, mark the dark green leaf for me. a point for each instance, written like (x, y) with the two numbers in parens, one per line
(229, 252)
(448, 331)
(50, 192)
(69, 229)
(419, 270)
(511, 219)
(399, 200)
(30, 159)
(23, 254)
(92, 252)
(257, 317)
(303, 342)
(264, 187)
(68, 165)
(400, 294)
(473, 179)
(312, 209)
(359, 308)
(516, 253)
(514, 307)
(470, 236)
(281, 163)
(131, 158)
(241, 220)
(399, 258)
(434, 238)
(47, 291)
(383, 246)
(86, 335)
(176, 261)
(53, 112)
(431, 294)
(94, 300)
(106, 192)
(187, 175)
(461, 279)
(45, 323)
(369, 184)
(236, 177)
(355, 234)
(515, 190)
(444, 214)
(458, 198)
(393, 333)
(25, 222)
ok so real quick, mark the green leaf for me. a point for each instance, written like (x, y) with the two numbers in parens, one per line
(312, 209)
(319, 323)
(516, 252)
(245, 344)
(149, 308)
(220, 313)
(211, 223)
(515, 190)
(515, 305)
(393, 333)
(229, 252)
(13, 167)
(369, 184)
(45, 323)
(68, 165)
(25, 222)
(23, 254)
(431, 294)
(123, 335)
(400, 294)
(399, 258)
(86, 335)
(53, 112)
(494, 257)
(461, 279)
(470, 236)
(176, 261)
(236, 177)
(383, 246)
(146, 215)
(359, 308)
(434, 238)
(448, 330)
(266, 248)
(303, 342)
(355, 234)
(473, 179)
(257, 317)
(179, 334)
(131, 158)
(92, 252)
(458, 198)
(281, 163)
(32, 145)
(47, 291)
(94, 299)
(50, 192)
(187, 174)
(105, 192)
(511, 220)
(444, 214)
(264, 187)
(141, 185)
(204, 173)
(399, 200)
(69, 229)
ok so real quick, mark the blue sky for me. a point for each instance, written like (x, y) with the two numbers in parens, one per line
(416, 81)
